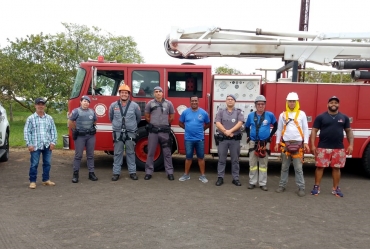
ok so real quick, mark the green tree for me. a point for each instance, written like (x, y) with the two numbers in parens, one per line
(45, 65)
(227, 70)
(312, 75)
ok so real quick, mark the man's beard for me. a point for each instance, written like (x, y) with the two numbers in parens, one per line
(333, 108)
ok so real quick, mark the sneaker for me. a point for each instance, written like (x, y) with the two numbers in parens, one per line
(337, 192)
(203, 179)
(315, 190)
(32, 185)
(301, 192)
(280, 189)
(48, 183)
(184, 177)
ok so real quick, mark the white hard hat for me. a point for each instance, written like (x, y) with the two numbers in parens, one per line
(260, 98)
(292, 96)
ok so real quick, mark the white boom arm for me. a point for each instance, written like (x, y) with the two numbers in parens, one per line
(323, 48)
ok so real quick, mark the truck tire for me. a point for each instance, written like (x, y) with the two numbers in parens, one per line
(141, 150)
(5, 147)
(366, 160)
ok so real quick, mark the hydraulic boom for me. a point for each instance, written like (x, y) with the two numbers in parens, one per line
(322, 48)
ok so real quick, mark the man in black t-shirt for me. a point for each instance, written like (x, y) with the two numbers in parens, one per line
(330, 150)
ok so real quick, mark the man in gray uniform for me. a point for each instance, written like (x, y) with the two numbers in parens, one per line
(228, 123)
(82, 122)
(124, 115)
(159, 114)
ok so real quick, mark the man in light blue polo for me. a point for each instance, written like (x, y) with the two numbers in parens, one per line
(195, 121)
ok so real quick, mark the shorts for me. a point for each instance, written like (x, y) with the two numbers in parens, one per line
(197, 145)
(336, 158)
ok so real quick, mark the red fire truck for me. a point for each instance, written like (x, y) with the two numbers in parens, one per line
(101, 79)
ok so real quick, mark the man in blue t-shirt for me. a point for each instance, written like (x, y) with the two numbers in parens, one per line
(257, 127)
(195, 121)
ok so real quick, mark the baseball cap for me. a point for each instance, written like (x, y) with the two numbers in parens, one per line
(334, 98)
(40, 100)
(86, 98)
(232, 96)
(158, 88)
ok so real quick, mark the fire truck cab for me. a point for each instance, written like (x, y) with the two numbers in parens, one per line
(101, 80)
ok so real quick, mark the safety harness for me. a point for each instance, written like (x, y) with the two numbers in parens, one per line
(260, 145)
(123, 127)
(296, 150)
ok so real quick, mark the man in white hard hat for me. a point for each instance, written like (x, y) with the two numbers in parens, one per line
(292, 137)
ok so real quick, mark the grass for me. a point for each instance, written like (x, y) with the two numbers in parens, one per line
(17, 125)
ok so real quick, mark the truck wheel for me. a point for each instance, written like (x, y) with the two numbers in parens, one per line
(5, 147)
(366, 160)
(141, 152)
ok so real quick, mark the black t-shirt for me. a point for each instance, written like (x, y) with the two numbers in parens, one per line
(331, 130)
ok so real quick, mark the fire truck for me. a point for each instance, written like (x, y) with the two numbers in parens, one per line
(101, 79)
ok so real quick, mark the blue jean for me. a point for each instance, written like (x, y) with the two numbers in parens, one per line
(46, 160)
(198, 145)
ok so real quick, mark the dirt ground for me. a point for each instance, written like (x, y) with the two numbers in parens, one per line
(164, 214)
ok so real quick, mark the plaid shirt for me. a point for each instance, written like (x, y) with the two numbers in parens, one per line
(40, 131)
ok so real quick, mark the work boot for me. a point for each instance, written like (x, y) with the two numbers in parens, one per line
(92, 176)
(264, 188)
(280, 189)
(251, 186)
(75, 176)
(115, 177)
(133, 176)
(220, 181)
(301, 192)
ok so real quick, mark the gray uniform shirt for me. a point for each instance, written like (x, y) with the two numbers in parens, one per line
(85, 118)
(133, 116)
(159, 115)
(229, 119)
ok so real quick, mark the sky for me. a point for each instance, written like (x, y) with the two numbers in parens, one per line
(149, 22)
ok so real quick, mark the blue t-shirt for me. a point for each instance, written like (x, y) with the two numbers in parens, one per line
(264, 130)
(194, 123)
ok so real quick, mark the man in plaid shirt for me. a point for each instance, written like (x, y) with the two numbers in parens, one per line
(40, 135)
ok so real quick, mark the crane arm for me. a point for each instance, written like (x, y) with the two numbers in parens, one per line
(322, 48)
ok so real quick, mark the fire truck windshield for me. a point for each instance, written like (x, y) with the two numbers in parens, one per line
(81, 73)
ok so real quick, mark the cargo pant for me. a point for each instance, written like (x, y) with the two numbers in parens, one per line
(297, 163)
(119, 148)
(81, 142)
(257, 167)
(234, 147)
(153, 140)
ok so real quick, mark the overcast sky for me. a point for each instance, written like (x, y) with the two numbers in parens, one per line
(149, 21)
